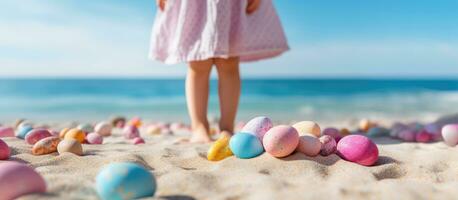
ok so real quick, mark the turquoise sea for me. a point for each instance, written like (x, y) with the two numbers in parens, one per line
(283, 100)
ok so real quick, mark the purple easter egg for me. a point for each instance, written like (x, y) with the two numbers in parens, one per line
(423, 137)
(328, 145)
(138, 140)
(36, 135)
(131, 132)
(6, 132)
(434, 130)
(258, 126)
(396, 129)
(94, 138)
(407, 135)
(19, 179)
(359, 149)
(450, 134)
(333, 132)
(4, 150)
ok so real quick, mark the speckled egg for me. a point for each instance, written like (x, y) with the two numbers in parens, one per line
(328, 145)
(94, 138)
(136, 121)
(450, 134)
(245, 145)
(308, 127)
(119, 181)
(36, 135)
(46, 146)
(19, 179)
(358, 149)
(333, 132)
(407, 135)
(281, 141)
(23, 130)
(138, 140)
(378, 132)
(86, 128)
(423, 137)
(6, 132)
(309, 145)
(71, 146)
(153, 130)
(103, 128)
(63, 132)
(258, 126)
(4, 151)
(130, 132)
(77, 134)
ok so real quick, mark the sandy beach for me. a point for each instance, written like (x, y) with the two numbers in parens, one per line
(403, 171)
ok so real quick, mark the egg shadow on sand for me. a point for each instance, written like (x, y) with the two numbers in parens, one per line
(385, 160)
(177, 197)
(324, 160)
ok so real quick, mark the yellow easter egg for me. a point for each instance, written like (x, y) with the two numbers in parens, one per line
(63, 132)
(308, 127)
(365, 125)
(76, 134)
(220, 148)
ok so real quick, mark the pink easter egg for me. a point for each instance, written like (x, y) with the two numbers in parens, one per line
(6, 132)
(4, 150)
(258, 126)
(333, 132)
(423, 137)
(450, 134)
(309, 145)
(281, 141)
(94, 138)
(36, 135)
(138, 140)
(19, 179)
(328, 145)
(407, 135)
(359, 149)
(131, 132)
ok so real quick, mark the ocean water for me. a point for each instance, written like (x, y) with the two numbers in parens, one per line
(323, 100)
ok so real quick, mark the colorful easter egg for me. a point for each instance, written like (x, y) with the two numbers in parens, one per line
(423, 137)
(333, 132)
(63, 132)
(17, 179)
(365, 125)
(358, 149)
(130, 132)
(119, 181)
(258, 126)
(86, 128)
(136, 121)
(36, 135)
(71, 146)
(4, 151)
(281, 141)
(94, 138)
(17, 123)
(245, 145)
(407, 135)
(396, 128)
(308, 127)
(378, 132)
(138, 140)
(153, 130)
(77, 134)
(450, 134)
(24, 124)
(309, 145)
(23, 130)
(6, 132)
(104, 129)
(46, 146)
(118, 122)
(220, 149)
(344, 132)
(434, 130)
(328, 145)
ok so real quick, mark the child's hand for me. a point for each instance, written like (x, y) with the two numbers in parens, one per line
(161, 4)
(252, 6)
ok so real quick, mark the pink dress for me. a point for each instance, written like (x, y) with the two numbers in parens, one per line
(192, 30)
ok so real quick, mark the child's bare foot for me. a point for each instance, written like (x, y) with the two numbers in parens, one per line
(200, 135)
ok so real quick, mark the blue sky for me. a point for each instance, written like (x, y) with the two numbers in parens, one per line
(327, 38)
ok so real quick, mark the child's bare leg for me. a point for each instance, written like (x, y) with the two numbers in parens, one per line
(197, 86)
(229, 91)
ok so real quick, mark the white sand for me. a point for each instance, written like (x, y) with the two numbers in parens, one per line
(404, 171)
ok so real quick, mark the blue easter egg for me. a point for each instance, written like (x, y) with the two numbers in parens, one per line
(245, 145)
(378, 132)
(120, 181)
(23, 130)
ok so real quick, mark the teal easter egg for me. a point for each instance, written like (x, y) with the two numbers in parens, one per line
(378, 132)
(23, 130)
(119, 181)
(245, 145)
